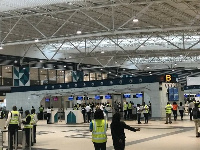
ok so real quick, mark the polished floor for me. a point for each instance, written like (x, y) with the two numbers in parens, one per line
(180, 135)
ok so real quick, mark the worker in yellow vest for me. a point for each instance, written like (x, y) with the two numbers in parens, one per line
(98, 127)
(168, 110)
(125, 110)
(27, 128)
(14, 123)
(34, 121)
(129, 110)
(146, 113)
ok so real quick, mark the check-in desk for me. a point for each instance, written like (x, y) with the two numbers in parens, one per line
(73, 116)
(54, 116)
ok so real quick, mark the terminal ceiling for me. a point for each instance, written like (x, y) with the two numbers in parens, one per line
(166, 35)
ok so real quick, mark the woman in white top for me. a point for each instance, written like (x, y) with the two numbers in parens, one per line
(181, 110)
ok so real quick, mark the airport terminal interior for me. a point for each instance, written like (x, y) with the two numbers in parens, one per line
(66, 59)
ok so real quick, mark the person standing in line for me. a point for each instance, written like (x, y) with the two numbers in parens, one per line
(14, 123)
(41, 109)
(150, 110)
(175, 106)
(190, 107)
(196, 117)
(27, 128)
(129, 110)
(88, 111)
(83, 110)
(168, 109)
(117, 131)
(34, 121)
(139, 111)
(146, 113)
(116, 107)
(98, 127)
(48, 115)
(181, 110)
(21, 112)
(125, 110)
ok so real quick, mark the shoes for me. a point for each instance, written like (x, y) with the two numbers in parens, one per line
(139, 123)
(197, 136)
(166, 123)
(170, 122)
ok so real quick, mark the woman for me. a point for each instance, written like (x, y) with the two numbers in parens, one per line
(117, 131)
(98, 127)
(181, 110)
(175, 106)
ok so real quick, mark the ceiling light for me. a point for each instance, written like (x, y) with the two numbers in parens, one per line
(65, 66)
(172, 69)
(1, 47)
(148, 67)
(150, 74)
(124, 69)
(36, 40)
(135, 20)
(109, 72)
(175, 64)
(102, 52)
(78, 32)
(70, 56)
(101, 69)
(149, 71)
(15, 61)
(132, 74)
(116, 75)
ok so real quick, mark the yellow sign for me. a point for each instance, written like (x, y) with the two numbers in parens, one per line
(168, 78)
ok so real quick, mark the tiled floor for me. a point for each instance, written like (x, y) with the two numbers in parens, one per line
(156, 135)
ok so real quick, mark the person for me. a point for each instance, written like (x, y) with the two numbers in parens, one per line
(75, 107)
(34, 121)
(33, 109)
(83, 110)
(116, 107)
(49, 115)
(175, 106)
(14, 123)
(98, 127)
(181, 110)
(139, 111)
(150, 109)
(21, 111)
(41, 109)
(196, 117)
(190, 107)
(117, 131)
(125, 110)
(88, 111)
(168, 110)
(146, 113)
(129, 110)
(27, 128)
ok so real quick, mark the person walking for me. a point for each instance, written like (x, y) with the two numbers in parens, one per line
(175, 106)
(196, 117)
(34, 121)
(49, 115)
(181, 109)
(139, 111)
(88, 111)
(129, 110)
(83, 110)
(125, 110)
(146, 113)
(168, 110)
(27, 128)
(98, 127)
(41, 109)
(14, 123)
(117, 131)
(190, 107)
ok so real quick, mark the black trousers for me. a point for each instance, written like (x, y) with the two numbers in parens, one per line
(89, 116)
(100, 146)
(34, 133)
(190, 111)
(48, 118)
(129, 113)
(28, 134)
(181, 113)
(84, 118)
(119, 145)
(11, 132)
(138, 118)
(146, 117)
(175, 114)
(125, 114)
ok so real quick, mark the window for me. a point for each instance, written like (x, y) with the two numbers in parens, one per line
(43, 76)
(7, 75)
(34, 78)
(60, 76)
(68, 76)
(52, 76)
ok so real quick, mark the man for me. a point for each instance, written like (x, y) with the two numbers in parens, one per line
(41, 109)
(49, 115)
(168, 109)
(196, 117)
(146, 113)
(88, 111)
(116, 107)
(139, 111)
(34, 121)
(129, 110)
(125, 110)
(190, 107)
(14, 123)
(83, 112)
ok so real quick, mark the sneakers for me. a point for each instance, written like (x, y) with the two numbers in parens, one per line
(166, 123)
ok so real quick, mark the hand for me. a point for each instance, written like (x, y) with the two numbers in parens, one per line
(137, 129)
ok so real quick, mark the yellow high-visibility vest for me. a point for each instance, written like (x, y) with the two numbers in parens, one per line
(168, 109)
(14, 117)
(99, 131)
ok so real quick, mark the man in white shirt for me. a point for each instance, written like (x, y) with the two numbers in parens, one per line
(88, 111)
(48, 115)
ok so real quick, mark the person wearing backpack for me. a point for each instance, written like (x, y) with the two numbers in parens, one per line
(196, 117)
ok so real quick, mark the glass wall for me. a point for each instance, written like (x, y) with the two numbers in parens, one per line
(7, 75)
(68, 76)
(43, 76)
(52, 76)
(92, 76)
(34, 78)
(60, 76)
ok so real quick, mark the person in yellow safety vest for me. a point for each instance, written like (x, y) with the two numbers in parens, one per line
(146, 113)
(41, 109)
(75, 107)
(14, 123)
(34, 121)
(27, 128)
(129, 110)
(125, 110)
(168, 109)
(98, 127)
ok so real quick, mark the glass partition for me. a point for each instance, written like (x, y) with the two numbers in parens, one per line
(43, 76)
(7, 75)
(68, 76)
(52, 76)
(34, 78)
(60, 76)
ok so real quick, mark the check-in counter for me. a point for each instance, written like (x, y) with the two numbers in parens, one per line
(73, 116)
(54, 116)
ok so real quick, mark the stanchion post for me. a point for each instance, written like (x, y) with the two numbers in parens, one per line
(30, 135)
(8, 140)
(16, 139)
(23, 140)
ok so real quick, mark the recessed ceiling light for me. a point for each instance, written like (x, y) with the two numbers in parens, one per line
(135, 20)
(70, 56)
(132, 74)
(175, 64)
(150, 74)
(15, 61)
(116, 75)
(78, 32)
(1, 47)
(147, 66)
(65, 66)
(36, 40)
(101, 69)
(172, 69)
(149, 71)
(102, 52)
(109, 72)
(124, 69)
